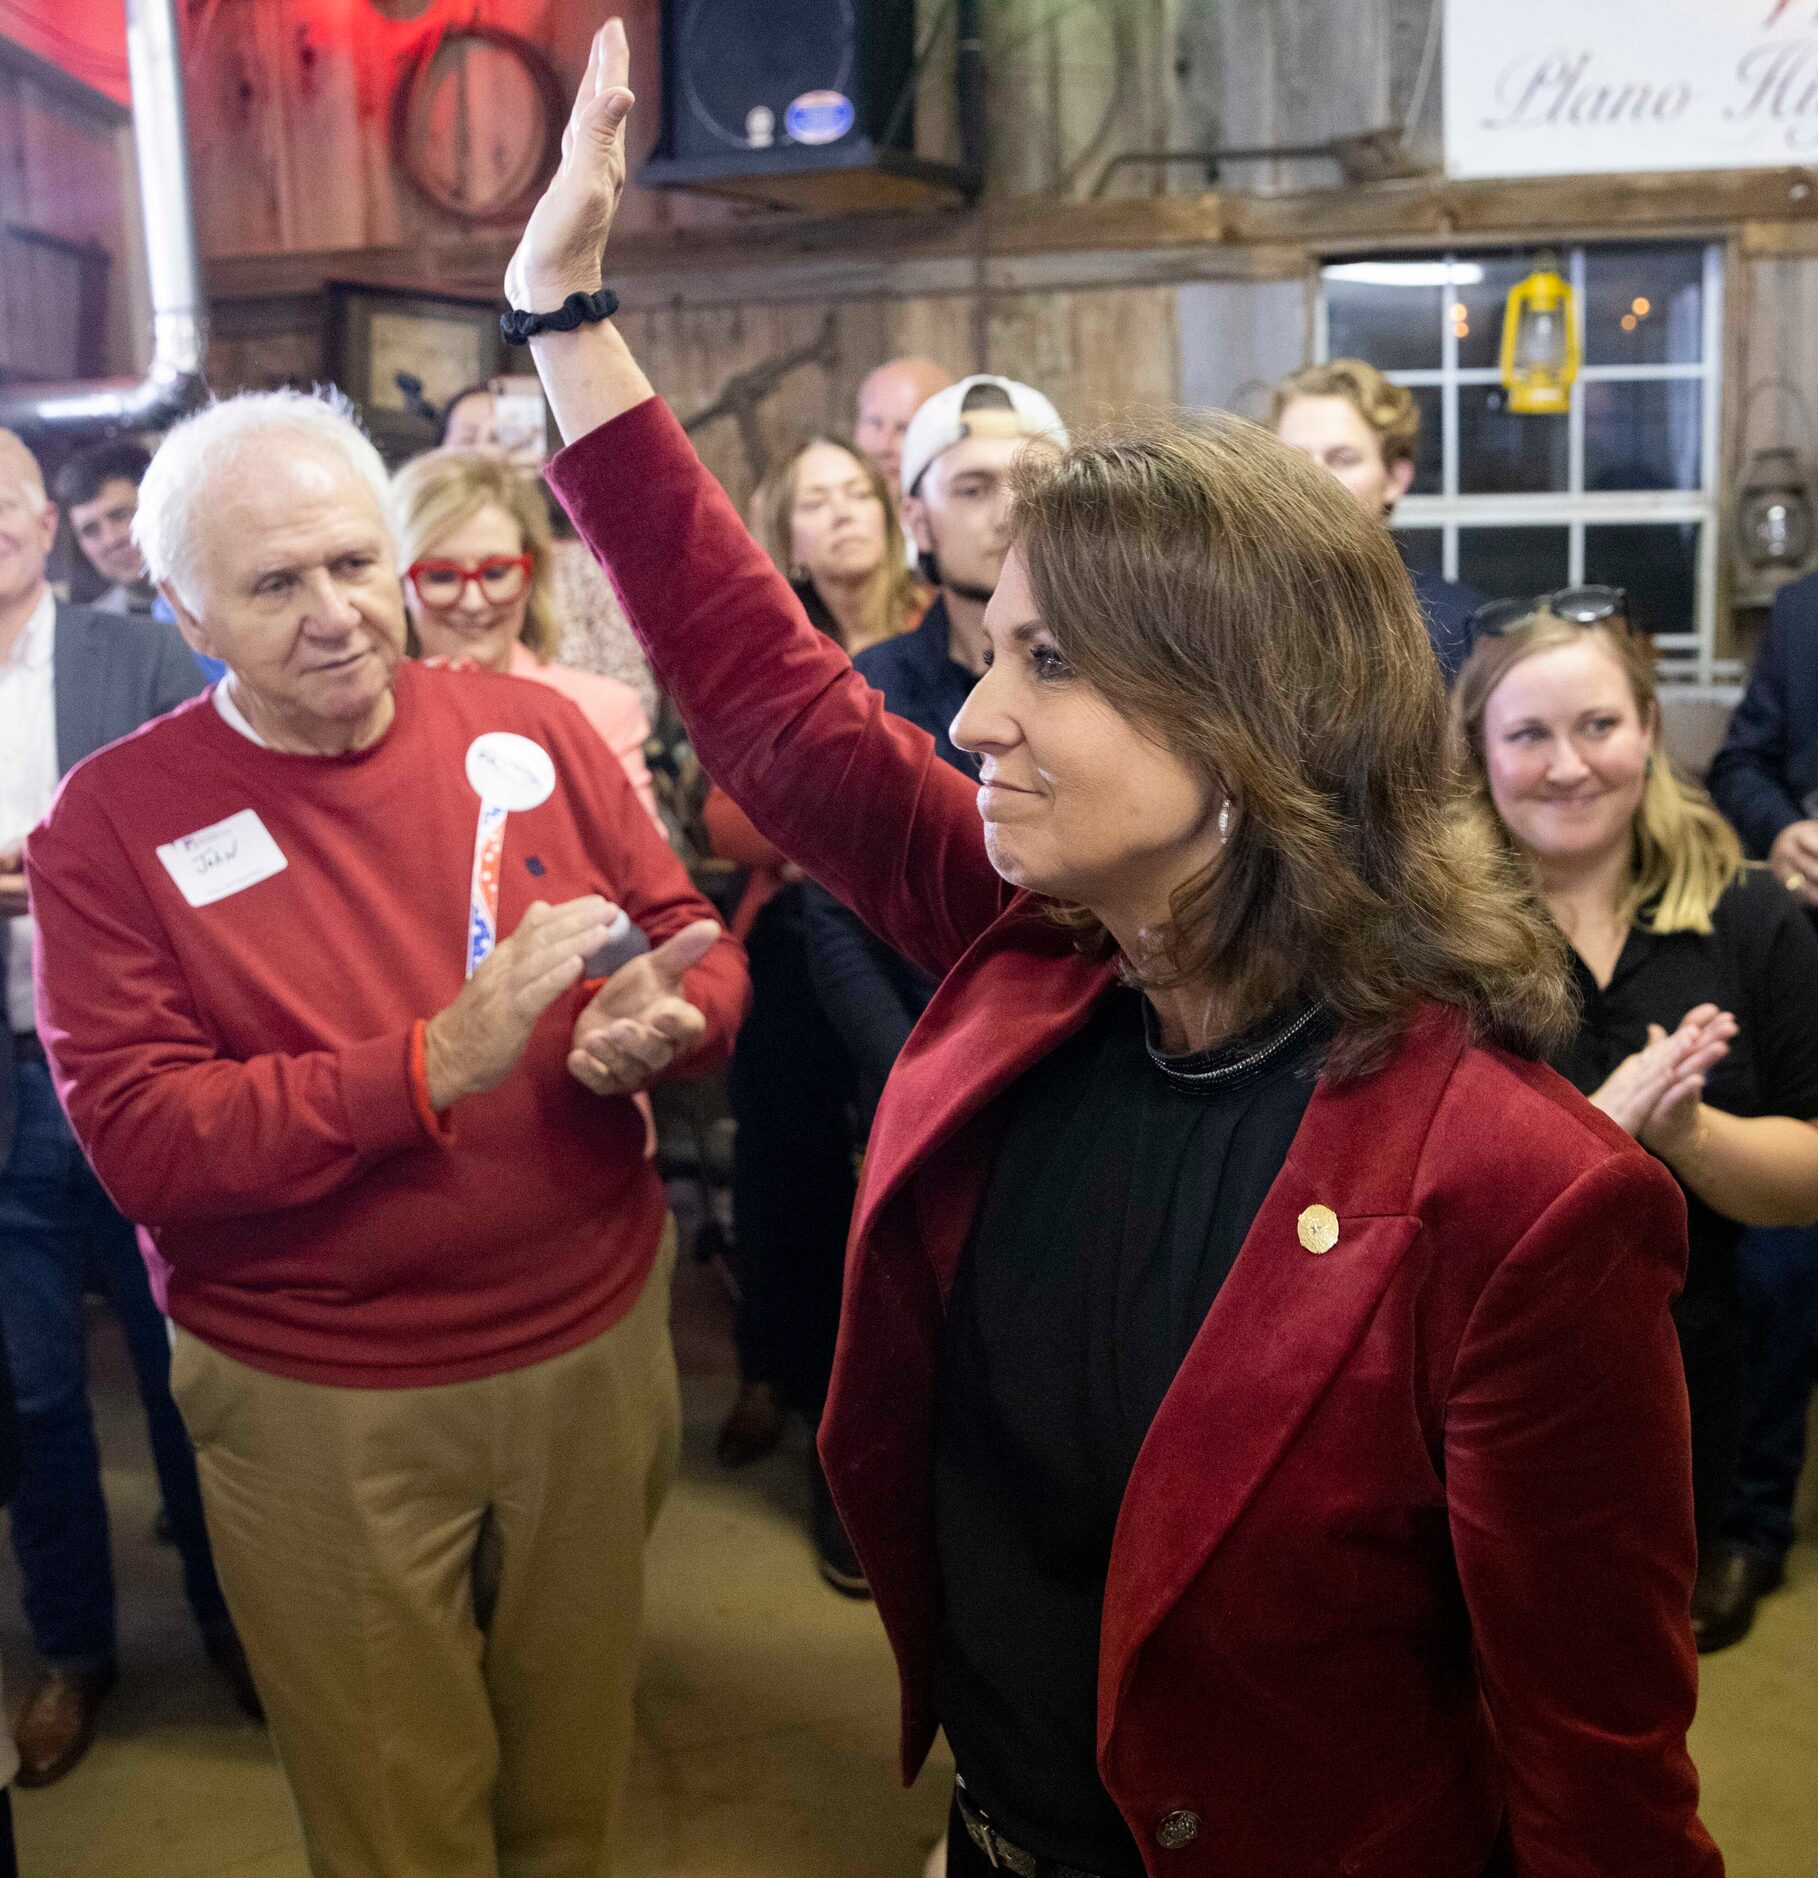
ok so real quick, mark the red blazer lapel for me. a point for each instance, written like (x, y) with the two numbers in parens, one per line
(1277, 1334)
(1017, 994)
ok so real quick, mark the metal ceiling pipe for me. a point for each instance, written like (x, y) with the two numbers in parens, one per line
(969, 82)
(173, 380)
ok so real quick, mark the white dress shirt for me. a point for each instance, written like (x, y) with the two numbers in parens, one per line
(28, 774)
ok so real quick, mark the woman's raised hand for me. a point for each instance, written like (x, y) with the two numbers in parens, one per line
(564, 241)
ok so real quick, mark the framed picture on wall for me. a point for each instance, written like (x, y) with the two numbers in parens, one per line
(402, 355)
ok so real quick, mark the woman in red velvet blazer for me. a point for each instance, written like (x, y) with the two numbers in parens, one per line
(1399, 1577)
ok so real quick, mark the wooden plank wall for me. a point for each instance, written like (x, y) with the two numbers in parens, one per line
(1778, 337)
(1269, 72)
(290, 113)
(1070, 84)
(290, 108)
(65, 171)
(290, 101)
(1096, 351)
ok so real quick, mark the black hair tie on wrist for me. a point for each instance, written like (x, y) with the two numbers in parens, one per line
(579, 309)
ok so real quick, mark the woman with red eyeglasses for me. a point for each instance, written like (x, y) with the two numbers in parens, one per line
(475, 543)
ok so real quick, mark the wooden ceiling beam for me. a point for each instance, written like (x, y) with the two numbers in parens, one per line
(1558, 208)
(1026, 245)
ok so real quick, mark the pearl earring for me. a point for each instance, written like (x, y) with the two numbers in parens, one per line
(1224, 820)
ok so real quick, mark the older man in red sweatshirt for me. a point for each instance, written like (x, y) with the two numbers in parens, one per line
(334, 974)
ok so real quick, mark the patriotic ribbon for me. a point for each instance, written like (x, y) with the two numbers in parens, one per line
(483, 894)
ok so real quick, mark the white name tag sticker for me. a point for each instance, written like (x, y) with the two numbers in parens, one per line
(510, 771)
(224, 859)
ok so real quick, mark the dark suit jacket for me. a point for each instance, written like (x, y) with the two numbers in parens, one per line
(113, 672)
(1768, 765)
(1407, 1556)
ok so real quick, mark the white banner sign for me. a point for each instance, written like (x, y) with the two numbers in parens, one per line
(1576, 87)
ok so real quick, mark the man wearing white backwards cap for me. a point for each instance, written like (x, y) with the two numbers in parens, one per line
(957, 454)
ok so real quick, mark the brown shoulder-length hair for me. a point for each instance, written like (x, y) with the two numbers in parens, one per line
(440, 491)
(1685, 853)
(896, 596)
(1229, 596)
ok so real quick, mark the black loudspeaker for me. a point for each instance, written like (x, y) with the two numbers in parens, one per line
(795, 103)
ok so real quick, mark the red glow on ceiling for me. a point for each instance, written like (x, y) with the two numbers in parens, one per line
(85, 38)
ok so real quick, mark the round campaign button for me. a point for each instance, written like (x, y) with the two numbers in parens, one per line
(510, 771)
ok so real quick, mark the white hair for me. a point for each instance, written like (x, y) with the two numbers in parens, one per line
(214, 442)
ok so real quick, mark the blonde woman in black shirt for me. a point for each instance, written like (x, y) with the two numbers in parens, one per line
(1697, 975)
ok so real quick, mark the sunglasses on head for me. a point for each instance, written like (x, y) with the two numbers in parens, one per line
(1580, 606)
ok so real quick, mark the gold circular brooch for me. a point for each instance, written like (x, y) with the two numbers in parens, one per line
(1319, 1229)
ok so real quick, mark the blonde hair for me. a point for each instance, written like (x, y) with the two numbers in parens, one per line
(1388, 408)
(435, 494)
(895, 595)
(1686, 854)
(1220, 590)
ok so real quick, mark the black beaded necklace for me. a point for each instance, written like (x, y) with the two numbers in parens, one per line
(1237, 1059)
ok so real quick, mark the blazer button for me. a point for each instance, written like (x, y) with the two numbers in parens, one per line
(1177, 1831)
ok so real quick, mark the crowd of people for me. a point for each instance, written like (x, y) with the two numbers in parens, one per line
(1274, 1127)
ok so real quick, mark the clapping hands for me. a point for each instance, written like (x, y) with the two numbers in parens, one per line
(640, 1020)
(477, 1042)
(637, 1024)
(1657, 1094)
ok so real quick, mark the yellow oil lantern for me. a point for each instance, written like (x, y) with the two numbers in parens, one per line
(1540, 342)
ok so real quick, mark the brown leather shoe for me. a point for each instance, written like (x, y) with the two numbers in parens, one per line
(754, 1428)
(1723, 1600)
(58, 1722)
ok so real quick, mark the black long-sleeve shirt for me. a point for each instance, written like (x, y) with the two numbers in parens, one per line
(1118, 1202)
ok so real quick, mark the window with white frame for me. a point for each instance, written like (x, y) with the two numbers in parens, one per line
(1621, 489)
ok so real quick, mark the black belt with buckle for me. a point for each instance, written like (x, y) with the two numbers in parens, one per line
(27, 1048)
(1005, 1854)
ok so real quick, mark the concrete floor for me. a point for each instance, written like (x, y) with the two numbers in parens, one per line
(767, 1705)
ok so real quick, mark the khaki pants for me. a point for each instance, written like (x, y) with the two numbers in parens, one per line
(440, 1593)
